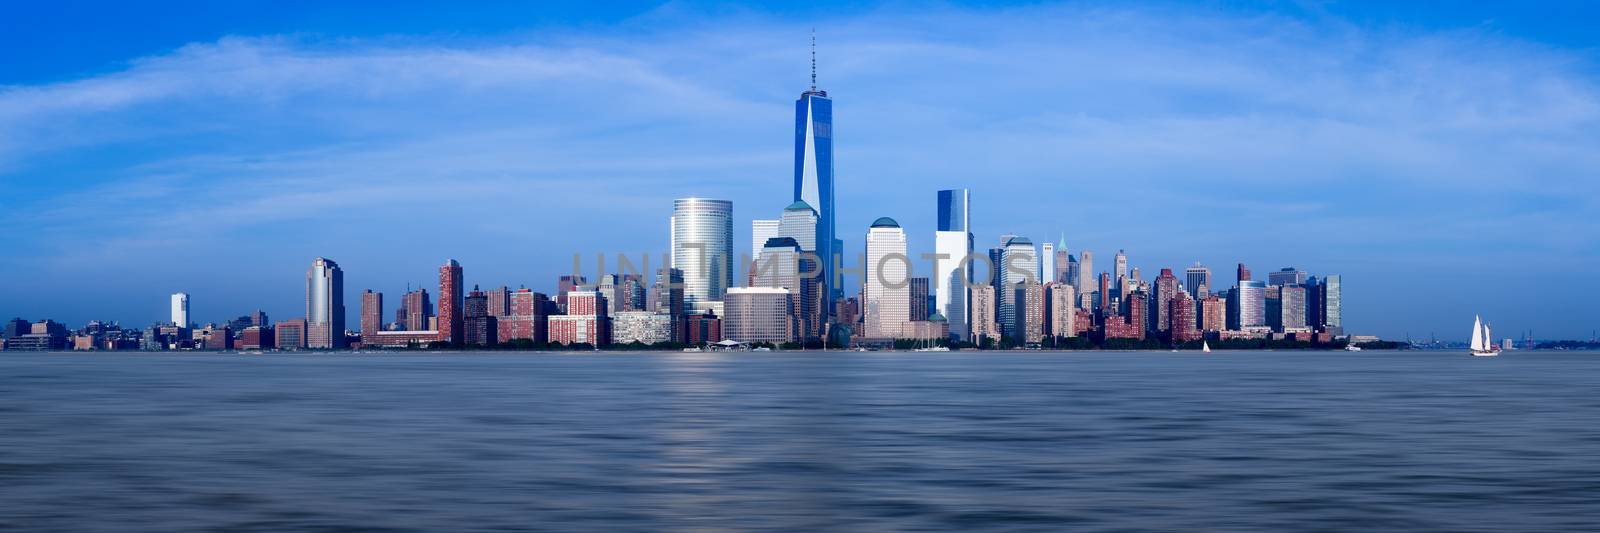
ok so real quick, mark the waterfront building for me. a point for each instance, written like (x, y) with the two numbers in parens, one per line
(450, 302)
(1198, 280)
(416, 311)
(585, 322)
(643, 327)
(1249, 305)
(499, 301)
(180, 310)
(886, 295)
(1181, 326)
(1029, 311)
(371, 311)
(291, 334)
(702, 248)
(935, 328)
(1330, 296)
(1018, 264)
(529, 311)
(757, 314)
(813, 177)
(702, 328)
(1166, 287)
(1213, 314)
(919, 299)
(983, 314)
(799, 223)
(566, 284)
(325, 305)
(255, 338)
(479, 328)
(952, 268)
(1063, 310)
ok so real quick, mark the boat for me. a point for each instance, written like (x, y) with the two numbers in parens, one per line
(761, 349)
(1482, 341)
(692, 349)
(932, 349)
(1352, 348)
(1205, 346)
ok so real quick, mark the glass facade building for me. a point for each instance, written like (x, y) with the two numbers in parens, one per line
(813, 178)
(952, 271)
(702, 248)
(324, 305)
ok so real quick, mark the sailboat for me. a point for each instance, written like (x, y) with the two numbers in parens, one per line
(1482, 341)
(1205, 346)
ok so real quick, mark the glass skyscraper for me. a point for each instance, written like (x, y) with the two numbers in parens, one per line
(324, 305)
(702, 248)
(952, 272)
(813, 178)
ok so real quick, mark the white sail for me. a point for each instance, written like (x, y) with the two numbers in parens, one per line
(1205, 346)
(1488, 340)
(1477, 334)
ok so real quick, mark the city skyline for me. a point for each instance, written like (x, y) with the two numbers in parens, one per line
(123, 263)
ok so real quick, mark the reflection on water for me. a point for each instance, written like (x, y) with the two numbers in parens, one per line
(698, 441)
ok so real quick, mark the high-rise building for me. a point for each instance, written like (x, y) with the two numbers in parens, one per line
(1287, 276)
(1120, 275)
(919, 299)
(1086, 282)
(1243, 274)
(499, 301)
(1292, 308)
(180, 310)
(702, 248)
(1019, 263)
(291, 334)
(760, 231)
(983, 314)
(450, 301)
(566, 284)
(1166, 287)
(1047, 262)
(325, 305)
(527, 319)
(952, 267)
(1181, 324)
(1028, 309)
(1213, 314)
(1065, 265)
(757, 314)
(666, 295)
(479, 328)
(1197, 279)
(1330, 295)
(371, 311)
(779, 265)
(585, 322)
(886, 295)
(799, 222)
(1249, 300)
(813, 176)
(1063, 309)
(415, 311)
(643, 327)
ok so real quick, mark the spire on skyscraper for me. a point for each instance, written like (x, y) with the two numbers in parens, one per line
(813, 58)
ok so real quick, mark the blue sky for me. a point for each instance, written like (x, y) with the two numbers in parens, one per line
(1441, 157)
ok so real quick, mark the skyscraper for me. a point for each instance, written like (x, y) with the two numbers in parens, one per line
(886, 295)
(1165, 289)
(1047, 262)
(1018, 264)
(1120, 275)
(758, 314)
(450, 301)
(1063, 310)
(1243, 274)
(1198, 280)
(1086, 283)
(983, 313)
(702, 248)
(813, 173)
(1330, 295)
(1065, 265)
(180, 310)
(952, 271)
(760, 231)
(799, 223)
(919, 299)
(1287, 276)
(324, 305)
(371, 312)
(1250, 298)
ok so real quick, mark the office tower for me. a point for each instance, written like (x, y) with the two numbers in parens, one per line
(1292, 308)
(1287, 276)
(1181, 324)
(813, 176)
(1121, 265)
(1198, 280)
(1331, 295)
(1047, 262)
(527, 319)
(1018, 264)
(952, 269)
(886, 296)
(799, 223)
(607, 285)
(630, 292)
(996, 265)
(702, 248)
(371, 312)
(919, 299)
(1243, 274)
(180, 310)
(643, 327)
(1063, 310)
(586, 321)
(1250, 301)
(450, 301)
(1104, 300)
(757, 314)
(1086, 282)
(1073, 272)
(324, 305)
(1213, 314)
(1166, 287)
(291, 334)
(1065, 265)
(779, 266)
(499, 301)
(1028, 311)
(666, 295)
(760, 231)
(983, 314)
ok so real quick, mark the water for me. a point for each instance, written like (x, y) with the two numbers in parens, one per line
(862, 442)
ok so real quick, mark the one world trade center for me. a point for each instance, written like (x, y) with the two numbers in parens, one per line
(813, 176)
